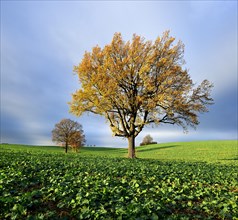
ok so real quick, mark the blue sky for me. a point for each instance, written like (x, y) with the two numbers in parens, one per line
(41, 41)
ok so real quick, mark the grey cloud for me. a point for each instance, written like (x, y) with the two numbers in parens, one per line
(223, 114)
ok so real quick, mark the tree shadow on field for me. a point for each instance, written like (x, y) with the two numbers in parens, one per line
(156, 148)
(103, 149)
(234, 158)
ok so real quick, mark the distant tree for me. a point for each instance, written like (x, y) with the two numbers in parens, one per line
(147, 140)
(137, 83)
(77, 140)
(68, 133)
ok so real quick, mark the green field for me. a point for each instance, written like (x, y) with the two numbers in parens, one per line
(189, 180)
(225, 152)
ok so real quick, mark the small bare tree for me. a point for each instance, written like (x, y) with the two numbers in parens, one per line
(147, 140)
(68, 133)
(77, 140)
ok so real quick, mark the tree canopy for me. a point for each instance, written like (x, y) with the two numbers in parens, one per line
(147, 140)
(69, 133)
(137, 83)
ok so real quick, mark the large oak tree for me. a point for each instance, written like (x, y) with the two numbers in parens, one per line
(136, 83)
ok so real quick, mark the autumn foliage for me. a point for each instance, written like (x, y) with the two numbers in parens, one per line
(136, 83)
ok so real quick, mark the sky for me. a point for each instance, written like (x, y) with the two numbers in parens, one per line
(41, 42)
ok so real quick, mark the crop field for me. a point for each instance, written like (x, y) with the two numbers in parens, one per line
(192, 180)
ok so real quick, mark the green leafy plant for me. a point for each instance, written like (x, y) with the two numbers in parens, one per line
(51, 185)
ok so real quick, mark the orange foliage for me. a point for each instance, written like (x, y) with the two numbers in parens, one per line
(139, 82)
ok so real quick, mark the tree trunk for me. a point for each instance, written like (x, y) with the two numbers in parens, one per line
(131, 147)
(66, 147)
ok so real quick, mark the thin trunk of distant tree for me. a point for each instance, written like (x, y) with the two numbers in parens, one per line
(66, 147)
